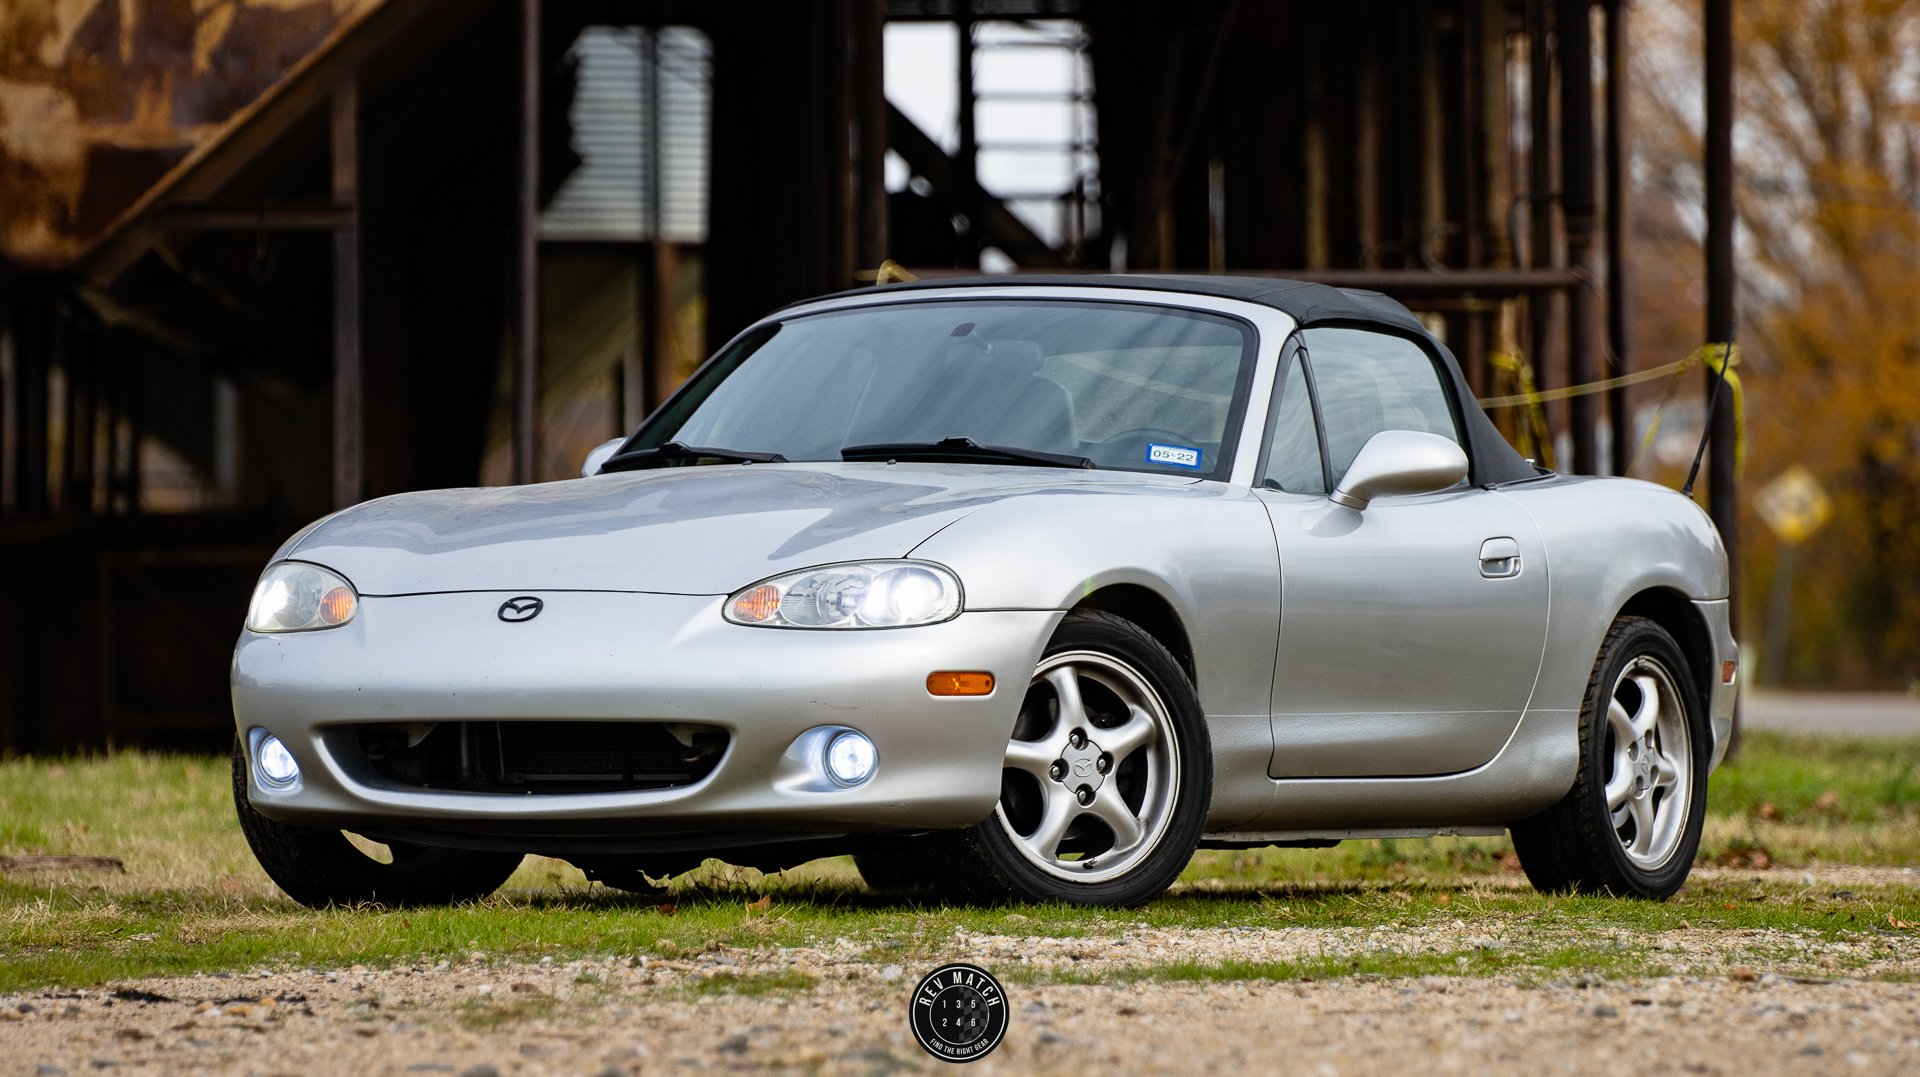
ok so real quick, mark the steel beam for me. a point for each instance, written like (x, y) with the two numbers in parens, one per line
(349, 449)
(995, 221)
(870, 114)
(1477, 282)
(9, 374)
(966, 154)
(1540, 189)
(1722, 490)
(232, 217)
(526, 349)
(1619, 228)
(1574, 29)
(1481, 283)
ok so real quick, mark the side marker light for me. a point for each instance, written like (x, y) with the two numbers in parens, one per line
(960, 683)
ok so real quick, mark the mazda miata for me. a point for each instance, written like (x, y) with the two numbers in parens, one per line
(1016, 588)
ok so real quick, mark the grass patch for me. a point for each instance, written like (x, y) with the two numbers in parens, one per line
(753, 984)
(480, 1015)
(1830, 780)
(192, 900)
(1538, 964)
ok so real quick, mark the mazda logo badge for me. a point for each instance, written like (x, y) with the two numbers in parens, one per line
(524, 608)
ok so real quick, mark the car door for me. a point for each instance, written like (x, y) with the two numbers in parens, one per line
(1410, 632)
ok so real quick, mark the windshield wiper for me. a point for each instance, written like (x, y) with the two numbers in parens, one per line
(635, 459)
(961, 450)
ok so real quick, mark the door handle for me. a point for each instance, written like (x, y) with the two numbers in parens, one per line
(1500, 558)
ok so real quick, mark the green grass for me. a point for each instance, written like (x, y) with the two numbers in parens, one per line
(192, 900)
(1822, 779)
(479, 1015)
(1533, 965)
(728, 982)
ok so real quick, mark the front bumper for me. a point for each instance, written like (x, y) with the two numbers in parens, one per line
(1724, 697)
(599, 656)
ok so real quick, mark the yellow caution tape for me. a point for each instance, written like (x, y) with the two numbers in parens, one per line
(1534, 443)
(1529, 396)
(1723, 359)
(1714, 356)
(890, 272)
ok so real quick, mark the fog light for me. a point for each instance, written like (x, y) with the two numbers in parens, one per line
(276, 765)
(851, 758)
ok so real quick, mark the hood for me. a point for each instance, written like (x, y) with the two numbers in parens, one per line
(688, 530)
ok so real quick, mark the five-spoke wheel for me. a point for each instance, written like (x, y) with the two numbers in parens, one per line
(1650, 788)
(1092, 771)
(1107, 777)
(1631, 824)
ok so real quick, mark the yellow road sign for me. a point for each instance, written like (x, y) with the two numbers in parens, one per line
(1794, 505)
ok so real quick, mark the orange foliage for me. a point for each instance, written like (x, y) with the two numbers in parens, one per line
(1827, 157)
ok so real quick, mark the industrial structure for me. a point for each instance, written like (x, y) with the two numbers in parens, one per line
(265, 260)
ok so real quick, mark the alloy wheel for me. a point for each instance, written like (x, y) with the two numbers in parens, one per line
(1649, 787)
(1092, 773)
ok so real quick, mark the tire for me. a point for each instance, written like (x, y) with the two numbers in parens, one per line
(1060, 832)
(321, 868)
(1630, 826)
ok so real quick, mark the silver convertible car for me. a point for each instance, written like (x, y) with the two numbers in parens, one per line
(1013, 589)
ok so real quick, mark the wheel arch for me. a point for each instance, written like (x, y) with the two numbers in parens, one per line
(1674, 612)
(1152, 612)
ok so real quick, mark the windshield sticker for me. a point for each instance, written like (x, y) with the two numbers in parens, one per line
(1177, 455)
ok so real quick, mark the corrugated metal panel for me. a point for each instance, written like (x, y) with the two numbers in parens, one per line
(686, 124)
(641, 117)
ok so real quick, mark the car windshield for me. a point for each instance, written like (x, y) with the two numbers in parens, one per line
(1110, 385)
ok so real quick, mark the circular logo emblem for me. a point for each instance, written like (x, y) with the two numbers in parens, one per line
(959, 1012)
(524, 608)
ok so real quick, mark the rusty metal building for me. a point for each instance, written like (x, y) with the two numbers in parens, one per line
(282, 258)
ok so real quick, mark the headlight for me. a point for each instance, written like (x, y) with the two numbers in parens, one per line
(860, 594)
(294, 596)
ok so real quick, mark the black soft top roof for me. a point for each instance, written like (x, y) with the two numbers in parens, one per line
(1493, 460)
(1304, 301)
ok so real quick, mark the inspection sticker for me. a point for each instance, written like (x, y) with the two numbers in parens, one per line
(1177, 455)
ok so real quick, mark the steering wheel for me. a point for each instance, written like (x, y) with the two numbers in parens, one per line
(1130, 442)
(1145, 433)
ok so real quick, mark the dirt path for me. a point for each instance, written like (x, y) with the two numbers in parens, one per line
(838, 1009)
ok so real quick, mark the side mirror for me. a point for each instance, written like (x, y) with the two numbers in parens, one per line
(1400, 462)
(599, 456)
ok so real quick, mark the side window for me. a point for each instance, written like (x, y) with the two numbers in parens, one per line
(1293, 463)
(1368, 382)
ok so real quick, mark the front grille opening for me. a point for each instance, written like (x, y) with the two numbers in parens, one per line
(539, 757)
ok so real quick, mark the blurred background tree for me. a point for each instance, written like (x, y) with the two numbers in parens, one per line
(1827, 148)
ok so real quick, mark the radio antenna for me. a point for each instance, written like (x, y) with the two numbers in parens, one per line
(1713, 398)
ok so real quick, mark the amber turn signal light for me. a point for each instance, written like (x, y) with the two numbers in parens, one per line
(337, 605)
(759, 604)
(952, 683)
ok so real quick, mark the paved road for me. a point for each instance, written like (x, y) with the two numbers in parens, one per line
(1876, 714)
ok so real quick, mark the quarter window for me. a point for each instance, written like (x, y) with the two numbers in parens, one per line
(1293, 463)
(1369, 382)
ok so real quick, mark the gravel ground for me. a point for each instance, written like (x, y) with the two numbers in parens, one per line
(841, 1008)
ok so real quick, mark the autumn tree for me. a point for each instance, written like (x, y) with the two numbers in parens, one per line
(1827, 153)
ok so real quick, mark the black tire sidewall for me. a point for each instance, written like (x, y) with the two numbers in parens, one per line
(1643, 638)
(1121, 639)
